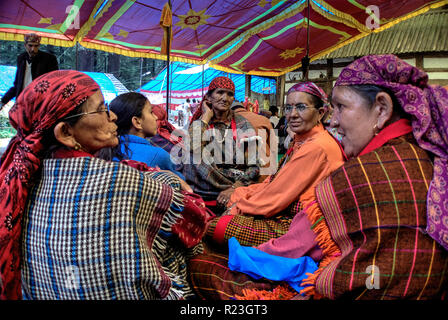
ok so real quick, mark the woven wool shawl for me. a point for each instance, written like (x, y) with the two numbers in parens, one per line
(97, 230)
(372, 228)
(208, 180)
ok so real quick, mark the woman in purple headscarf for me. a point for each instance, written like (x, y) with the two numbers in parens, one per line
(381, 220)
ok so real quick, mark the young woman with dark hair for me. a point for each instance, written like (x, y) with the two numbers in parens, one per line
(136, 122)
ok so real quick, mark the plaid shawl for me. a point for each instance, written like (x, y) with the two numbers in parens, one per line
(111, 246)
(44, 101)
(374, 208)
(208, 180)
(254, 230)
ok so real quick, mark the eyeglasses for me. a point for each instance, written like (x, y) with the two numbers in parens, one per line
(300, 108)
(107, 110)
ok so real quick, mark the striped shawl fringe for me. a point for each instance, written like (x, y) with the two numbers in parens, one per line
(323, 238)
(281, 292)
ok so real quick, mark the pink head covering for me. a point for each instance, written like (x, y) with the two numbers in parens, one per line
(313, 89)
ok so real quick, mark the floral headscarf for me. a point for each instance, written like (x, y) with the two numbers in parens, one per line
(313, 89)
(43, 102)
(218, 82)
(428, 106)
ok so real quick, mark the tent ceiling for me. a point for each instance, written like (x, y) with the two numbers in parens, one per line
(259, 37)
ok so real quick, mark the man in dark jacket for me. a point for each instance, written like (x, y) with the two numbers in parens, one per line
(30, 65)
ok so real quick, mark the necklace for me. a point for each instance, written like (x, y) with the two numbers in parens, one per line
(232, 125)
(224, 138)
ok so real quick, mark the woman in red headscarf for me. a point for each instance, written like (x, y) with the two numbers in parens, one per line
(218, 163)
(74, 226)
(262, 212)
(164, 138)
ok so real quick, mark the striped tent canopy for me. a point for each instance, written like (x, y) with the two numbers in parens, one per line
(258, 37)
(191, 81)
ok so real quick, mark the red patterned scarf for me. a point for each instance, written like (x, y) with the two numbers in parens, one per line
(164, 128)
(219, 82)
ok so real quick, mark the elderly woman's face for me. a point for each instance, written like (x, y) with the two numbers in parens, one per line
(353, 118)
(96, 130)
(300, 112)
(221, 99)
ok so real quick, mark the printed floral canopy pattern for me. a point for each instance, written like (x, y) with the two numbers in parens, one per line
(260, 37)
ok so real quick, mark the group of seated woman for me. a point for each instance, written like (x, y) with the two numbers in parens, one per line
(89, 203)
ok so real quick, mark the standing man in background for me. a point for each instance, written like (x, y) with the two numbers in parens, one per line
(30, 65)
(274, 116)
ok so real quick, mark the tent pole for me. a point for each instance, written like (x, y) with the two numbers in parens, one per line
(202, 93)
(308, 31)
(76, 56)
(168, 40)
(306, 58)
(168, 80)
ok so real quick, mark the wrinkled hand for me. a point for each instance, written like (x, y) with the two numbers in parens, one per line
(207, 112)
(224, 196)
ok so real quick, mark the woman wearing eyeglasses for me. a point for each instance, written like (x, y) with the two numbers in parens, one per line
(74, 226)
(262, 212)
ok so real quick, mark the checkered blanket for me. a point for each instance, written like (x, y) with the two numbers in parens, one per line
(254, 230)
(212, 279)
(99, 230)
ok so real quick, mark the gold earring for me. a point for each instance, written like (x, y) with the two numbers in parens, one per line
(77, 146)
(376, 130)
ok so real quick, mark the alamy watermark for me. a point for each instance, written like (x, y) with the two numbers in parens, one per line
(373, 20)
(373, 280)
(73, 17)
(72, 277)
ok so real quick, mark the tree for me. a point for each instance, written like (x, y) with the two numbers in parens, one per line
(126, 69)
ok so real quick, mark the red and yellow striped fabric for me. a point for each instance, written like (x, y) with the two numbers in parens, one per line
(373, 231)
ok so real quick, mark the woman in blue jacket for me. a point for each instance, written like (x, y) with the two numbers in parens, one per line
(136, 122)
